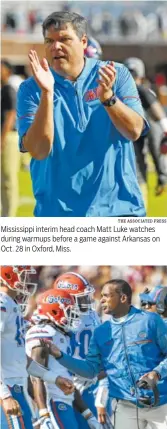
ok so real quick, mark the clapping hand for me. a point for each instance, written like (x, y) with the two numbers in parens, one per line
(41, 72)
(107, 78)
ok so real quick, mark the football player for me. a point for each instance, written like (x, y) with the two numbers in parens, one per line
(81, 290)
(16, 288)
(16, 406)
(54, 319)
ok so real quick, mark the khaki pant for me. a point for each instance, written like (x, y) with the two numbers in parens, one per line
(10, 159)
(125, 417)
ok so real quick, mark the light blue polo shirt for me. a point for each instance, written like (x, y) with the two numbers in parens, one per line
(91, 168)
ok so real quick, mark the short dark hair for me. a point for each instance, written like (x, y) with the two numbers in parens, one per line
(122, 287)
(59, 19)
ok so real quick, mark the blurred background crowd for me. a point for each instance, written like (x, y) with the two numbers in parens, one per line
(123, 29)
(139, 278)
(107, 20)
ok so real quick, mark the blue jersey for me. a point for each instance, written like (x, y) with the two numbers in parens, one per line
(91, 168)
(126, 351)
(80, 340)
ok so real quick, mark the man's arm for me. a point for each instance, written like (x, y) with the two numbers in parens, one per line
(37, 370)
(152, 105)
(160, 371)
(128, 121)
(10, 405)
(40, 356)
(88, 368)
(39, 137)
(161, 339)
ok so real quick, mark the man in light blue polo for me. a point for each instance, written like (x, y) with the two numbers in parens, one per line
(78, 117)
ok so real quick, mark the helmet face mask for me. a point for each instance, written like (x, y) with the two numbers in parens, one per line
(84, 301)
(80, 289)
(18, 279)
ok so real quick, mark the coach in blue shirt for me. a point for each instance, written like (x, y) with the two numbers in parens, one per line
(129, 346)
(78, 117)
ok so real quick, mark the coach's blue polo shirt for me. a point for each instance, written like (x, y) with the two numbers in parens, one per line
(91, 168)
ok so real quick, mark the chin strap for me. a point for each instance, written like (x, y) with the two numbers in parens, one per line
(148, 384)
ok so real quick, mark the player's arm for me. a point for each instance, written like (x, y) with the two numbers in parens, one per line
(88, 368)
(81, 406)
(128, 121)
(38, 140)
(40, 356)
(152, 105)
(35, 369)
(10, 405)
(102, 396)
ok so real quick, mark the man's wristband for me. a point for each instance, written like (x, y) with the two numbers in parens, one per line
(87, 414)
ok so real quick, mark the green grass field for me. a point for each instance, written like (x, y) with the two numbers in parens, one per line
(157, 206)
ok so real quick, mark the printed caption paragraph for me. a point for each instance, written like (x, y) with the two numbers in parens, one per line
(94, 239)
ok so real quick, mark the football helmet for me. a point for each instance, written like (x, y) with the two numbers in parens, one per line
(93, 49)
(57, 306)
(79, 288)
(18, 278)
(149, 297)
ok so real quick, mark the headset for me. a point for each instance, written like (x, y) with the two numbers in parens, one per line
(146, 401)
(148, 384)
(161, 303)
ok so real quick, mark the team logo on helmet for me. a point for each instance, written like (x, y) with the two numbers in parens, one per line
(66, 285)
(57, 299)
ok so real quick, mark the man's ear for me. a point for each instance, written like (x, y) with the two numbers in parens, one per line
(84, 40)
(124, 299)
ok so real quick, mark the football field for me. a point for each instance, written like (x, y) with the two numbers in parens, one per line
(157, 206)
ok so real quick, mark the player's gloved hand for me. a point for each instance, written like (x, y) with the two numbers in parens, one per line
(11, 406)
(93, 423)
(45, 423)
